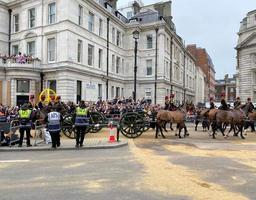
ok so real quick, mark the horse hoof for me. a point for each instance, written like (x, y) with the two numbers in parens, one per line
(243, 138)
(176, 134)
(180, 137)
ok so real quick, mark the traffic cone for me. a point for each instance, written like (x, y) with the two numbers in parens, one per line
(112, 132)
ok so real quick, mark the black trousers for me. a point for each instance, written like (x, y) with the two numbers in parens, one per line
(22, 130)
(80, 133)
(55, 138)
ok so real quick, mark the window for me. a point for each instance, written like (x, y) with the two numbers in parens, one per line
(52, 84)
(80, 15)
(51, 49)
(78, 91)
(113, 35)
(23, 86)
(129, 14)
(149, 42)
(100, 27)
(31, 48)
(118, 65)
(16, 23)
(117, 92)
(122, 92)
(113, 63)
(99, 91)
(79, 51)
(112, 92)
(31, 17)
(148, 93)
(90, 54)
(118, 38)
(100, 58)
(52, 13)
(15, 49)
(149, 67)
(91, 22)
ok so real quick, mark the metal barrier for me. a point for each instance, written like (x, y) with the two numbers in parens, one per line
(39, 125)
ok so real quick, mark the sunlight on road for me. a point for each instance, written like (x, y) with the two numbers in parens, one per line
(164, 177)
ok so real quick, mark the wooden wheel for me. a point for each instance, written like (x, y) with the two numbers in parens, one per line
(68, 128)
(131, 125)
(96, 119)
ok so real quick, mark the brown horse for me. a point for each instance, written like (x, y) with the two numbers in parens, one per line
(164, 117)
(238, 121)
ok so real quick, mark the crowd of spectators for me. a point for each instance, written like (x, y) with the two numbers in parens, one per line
(19, 58)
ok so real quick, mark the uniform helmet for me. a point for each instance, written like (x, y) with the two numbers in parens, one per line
(222, 95)
(238, 98)
(166, 97)
(248, 99)
(172, 96)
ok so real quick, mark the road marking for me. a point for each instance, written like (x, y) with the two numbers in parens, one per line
(14, 161)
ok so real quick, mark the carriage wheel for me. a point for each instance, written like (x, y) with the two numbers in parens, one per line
(96, 118)
(131, 125)
(67, 127)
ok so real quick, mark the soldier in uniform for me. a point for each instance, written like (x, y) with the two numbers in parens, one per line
(237, 103)
(223, 103)
(25, 124)
(81, 123)
(212, 105)
(172, 107)
(54, 119)
(166, 103)
(249, 105)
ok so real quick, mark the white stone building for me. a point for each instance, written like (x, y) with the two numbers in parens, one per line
(246, 58)
(86, 51)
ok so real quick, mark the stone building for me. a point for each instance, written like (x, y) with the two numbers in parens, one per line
(204, 62)
(85, 50)
(246, 58)
(227, 87)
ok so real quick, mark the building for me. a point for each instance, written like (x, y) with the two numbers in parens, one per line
(246, 58)
(85, 50)
(227, 87)
(204, 61)
(200, 85)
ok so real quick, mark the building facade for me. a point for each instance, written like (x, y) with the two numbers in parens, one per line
(85, 50)
(246, 58)
(226, 87)
(204, 62)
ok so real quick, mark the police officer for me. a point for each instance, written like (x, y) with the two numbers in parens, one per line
(54, 119)
(237, 103)
(212, 105)
(223, 103)
(81, 123)
(25, 124)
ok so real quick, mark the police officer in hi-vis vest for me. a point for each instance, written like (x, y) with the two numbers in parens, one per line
(25, 124)
(53, 120)
(81, 123)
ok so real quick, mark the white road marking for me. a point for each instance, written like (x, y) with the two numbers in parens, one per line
(14, 161)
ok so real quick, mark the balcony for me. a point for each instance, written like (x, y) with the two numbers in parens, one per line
(15, 63)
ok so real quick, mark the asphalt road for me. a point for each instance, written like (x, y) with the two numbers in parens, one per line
(196, 167)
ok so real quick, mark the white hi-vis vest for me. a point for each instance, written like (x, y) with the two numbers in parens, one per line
(54, 122)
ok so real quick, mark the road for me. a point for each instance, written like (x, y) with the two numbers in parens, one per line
(196, 167)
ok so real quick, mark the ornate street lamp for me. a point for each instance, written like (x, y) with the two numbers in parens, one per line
(136, 35)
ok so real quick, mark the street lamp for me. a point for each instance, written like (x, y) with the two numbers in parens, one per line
(136, 35)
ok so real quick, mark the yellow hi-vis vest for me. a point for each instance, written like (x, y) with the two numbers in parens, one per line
(81, 111)
(25, 114)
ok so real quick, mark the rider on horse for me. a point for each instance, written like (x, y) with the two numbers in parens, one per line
(166, 103)
(237, 103)
(212, 105)
(172, 107)
(223, 103)
(249, 105)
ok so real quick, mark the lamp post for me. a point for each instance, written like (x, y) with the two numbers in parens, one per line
(136, 35)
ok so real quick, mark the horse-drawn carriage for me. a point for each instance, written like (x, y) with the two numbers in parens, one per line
(130, 124)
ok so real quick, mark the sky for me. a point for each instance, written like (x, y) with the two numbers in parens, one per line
(211, 24)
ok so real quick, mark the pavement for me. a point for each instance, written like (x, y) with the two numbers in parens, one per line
(92, 141)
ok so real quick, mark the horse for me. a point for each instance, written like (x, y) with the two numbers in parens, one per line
(177, 116)
(201, 116)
